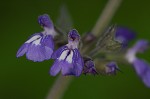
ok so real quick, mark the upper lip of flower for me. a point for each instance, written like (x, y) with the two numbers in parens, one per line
(73, 37)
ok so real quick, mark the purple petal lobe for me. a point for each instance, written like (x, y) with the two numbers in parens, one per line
(48, 41)
(77, 62)
(77, 69)
(143, 71)
(73, 35)
(45, 21)
(124, 35)
(55, 68)
(141, 46)
(38, 53)
(67, 68)
(22, 50)
(146, 78)
(47, 52)
(33, 53)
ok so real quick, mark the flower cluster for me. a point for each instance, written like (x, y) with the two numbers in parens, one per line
(72, 59)
(40, 47)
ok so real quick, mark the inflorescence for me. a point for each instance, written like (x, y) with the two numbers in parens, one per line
(76, 55)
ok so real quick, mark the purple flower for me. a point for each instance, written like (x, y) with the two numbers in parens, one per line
(124, 35)
(111, 68)
(141, 67)
(67, 58)
(39, 46)
(89, 67)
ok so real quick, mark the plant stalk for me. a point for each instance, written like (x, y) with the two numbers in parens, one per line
(59, 87)
(106, 16)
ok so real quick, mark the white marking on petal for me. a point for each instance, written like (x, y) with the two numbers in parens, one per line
(130, 56)
(63, 55)
(37, 42)
(69, 58)
(33, 38)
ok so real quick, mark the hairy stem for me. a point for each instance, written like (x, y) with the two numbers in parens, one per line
(62, 82)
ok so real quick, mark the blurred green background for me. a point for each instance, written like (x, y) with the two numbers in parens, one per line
(23, 79)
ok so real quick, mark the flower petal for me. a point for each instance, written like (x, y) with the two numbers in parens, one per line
(22, 50)
(67, 68)
(45, 21)
(124, 35)
(48, 41)
(55, 68)
(58, 52)
(48, 52)
(143, 71)
(141, 45)
(146, 78)
(77, 58)
(33, 53)
(77, 62)
(38, 53)
(73, 39)
(73, 34)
